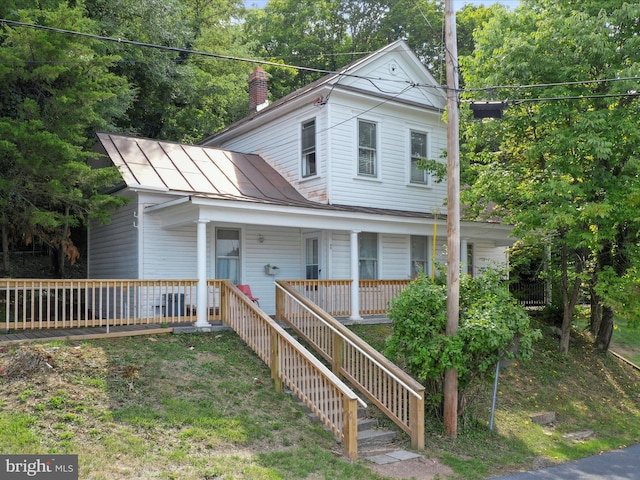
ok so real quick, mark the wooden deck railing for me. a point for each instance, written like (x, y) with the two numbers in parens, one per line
(334, 296)
(43, 304)
(396, 393)
(292, 365)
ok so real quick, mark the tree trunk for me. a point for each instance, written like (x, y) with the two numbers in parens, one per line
(569, 297)
(605, 332)
(596, 313)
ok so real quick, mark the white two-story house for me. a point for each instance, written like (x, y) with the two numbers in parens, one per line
(322, 184)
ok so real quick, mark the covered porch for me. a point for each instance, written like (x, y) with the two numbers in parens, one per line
(257, 244)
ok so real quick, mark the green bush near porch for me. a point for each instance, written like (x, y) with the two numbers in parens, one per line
(491, 324)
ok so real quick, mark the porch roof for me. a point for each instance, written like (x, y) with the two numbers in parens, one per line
(196, 170)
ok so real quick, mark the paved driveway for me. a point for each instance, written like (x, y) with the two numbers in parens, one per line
(617, 465)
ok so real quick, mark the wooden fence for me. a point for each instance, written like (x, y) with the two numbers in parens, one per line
(334, 296)
(43, 304)
(48, 304)
(396, 393)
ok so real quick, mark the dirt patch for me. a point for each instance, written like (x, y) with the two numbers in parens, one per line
(417, 468)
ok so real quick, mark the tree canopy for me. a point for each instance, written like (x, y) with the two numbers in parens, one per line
(57, 90)
(562, 165)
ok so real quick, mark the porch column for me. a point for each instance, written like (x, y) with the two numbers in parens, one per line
(355, 277)
(463, 256)
(202, 321)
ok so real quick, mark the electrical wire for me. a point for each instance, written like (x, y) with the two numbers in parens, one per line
(576, 97)
(342, 73)
(548, 85)
(122, 41)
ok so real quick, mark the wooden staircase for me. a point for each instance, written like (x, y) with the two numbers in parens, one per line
(369, 433)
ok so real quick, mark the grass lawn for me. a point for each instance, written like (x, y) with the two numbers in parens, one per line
(202, 405)
(626, 341)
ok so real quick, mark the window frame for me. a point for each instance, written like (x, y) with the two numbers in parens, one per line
(373, 149)
(238, 257)
(362, 259)
(424, 262)
(305, 151)
(426, 176)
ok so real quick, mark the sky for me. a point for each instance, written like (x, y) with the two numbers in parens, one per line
(458, 3)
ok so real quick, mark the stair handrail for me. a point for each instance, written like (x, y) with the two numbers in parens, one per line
(244, 317)
(358, 347)
(409, 418)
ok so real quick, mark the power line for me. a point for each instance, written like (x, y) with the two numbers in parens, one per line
(549, 85)
(194, 52)
(576, 97)
(342, 73)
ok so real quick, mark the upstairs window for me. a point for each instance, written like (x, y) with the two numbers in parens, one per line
(418, 152)
(309, 149)
(367, 144)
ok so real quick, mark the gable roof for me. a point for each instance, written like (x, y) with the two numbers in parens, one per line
(354, 77)
(196, 170)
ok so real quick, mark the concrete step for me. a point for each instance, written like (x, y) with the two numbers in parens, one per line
(366, 423)
(375, 437)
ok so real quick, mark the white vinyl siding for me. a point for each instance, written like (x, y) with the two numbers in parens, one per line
(391, 188)
(168, 254)
(277, 147)
(339, 249)
(113, 248)
(394, 256)
(486, 254)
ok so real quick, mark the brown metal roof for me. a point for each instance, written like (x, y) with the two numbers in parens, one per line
(198, 170)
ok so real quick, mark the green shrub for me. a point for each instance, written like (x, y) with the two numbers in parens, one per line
(491, 321)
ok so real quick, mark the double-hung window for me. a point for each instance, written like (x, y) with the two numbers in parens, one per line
(418, 152)
(367, 149)
(309, 167)
(419, 255)
(368, 253)
(228, 254)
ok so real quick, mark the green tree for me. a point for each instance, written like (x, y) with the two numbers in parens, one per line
(327, 35)
(179, 96)
(562, 165)
(56, 92)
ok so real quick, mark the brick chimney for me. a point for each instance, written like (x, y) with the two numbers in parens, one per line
(258, 92)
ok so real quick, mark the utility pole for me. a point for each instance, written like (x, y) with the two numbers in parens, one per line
(453, 213)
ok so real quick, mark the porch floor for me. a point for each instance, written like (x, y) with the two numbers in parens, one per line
(131, 330)
(82, 333)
